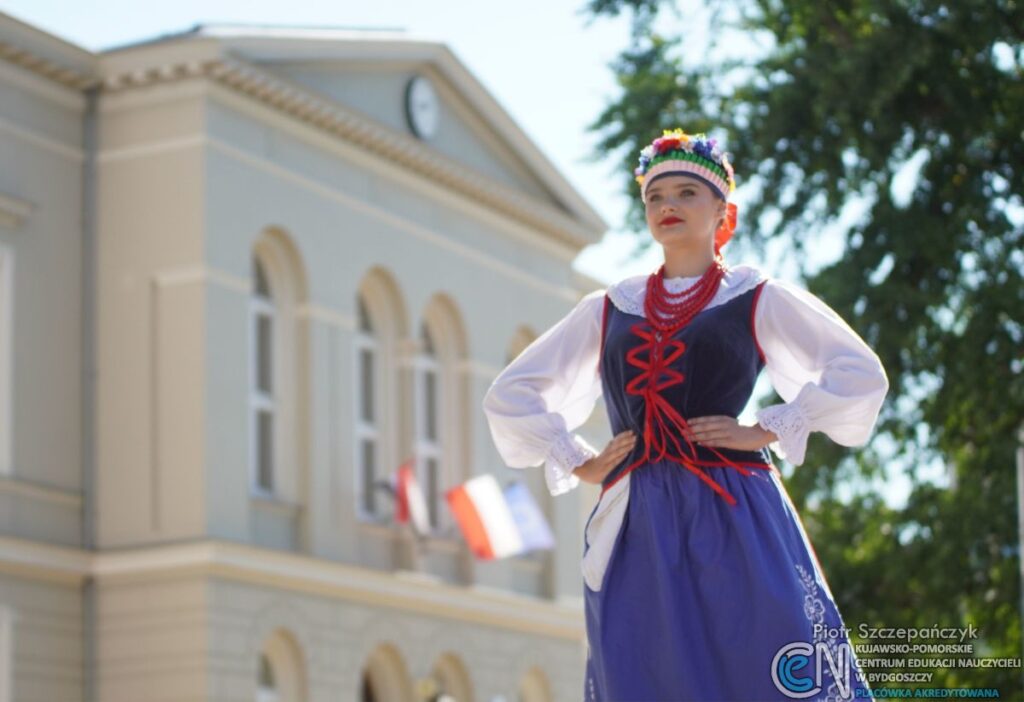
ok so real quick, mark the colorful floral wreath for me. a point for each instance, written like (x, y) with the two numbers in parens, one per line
(698, 149)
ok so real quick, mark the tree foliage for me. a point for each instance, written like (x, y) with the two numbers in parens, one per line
(850, 98)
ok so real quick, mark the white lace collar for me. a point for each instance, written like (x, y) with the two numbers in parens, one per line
(628, 294)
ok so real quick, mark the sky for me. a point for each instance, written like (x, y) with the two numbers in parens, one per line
(543, 61)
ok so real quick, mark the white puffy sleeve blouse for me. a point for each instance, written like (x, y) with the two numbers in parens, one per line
(546, 392)
(828, 377)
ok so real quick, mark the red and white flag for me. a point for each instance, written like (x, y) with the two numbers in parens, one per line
(410, 505)
(483, 514)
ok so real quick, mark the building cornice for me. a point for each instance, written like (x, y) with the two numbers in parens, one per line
(363, 49)
(68, 77)
(118, 71)
(45, 55)
(400, 149)
(406, 591)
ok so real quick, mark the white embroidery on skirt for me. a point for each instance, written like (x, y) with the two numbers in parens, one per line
(814, 608)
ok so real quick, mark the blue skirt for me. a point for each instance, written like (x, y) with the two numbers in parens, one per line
(706, 601)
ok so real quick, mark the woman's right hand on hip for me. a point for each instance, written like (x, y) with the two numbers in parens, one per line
(595, 470)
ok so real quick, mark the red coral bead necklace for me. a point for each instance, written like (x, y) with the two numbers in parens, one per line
(668, 312)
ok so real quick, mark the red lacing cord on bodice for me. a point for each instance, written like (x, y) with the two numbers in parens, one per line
(660, 417)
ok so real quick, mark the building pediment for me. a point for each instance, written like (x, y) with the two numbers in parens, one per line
(355, 84)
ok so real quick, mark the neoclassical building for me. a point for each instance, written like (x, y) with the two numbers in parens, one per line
(246, 273)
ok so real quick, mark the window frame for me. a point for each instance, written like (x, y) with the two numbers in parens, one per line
(263, 306)
(363, 430)
(426, 362)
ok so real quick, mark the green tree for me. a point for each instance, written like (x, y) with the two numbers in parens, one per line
(849, 97)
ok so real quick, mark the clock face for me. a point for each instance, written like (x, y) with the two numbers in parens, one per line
(421, 107)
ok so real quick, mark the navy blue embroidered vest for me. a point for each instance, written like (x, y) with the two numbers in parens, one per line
(652, 386)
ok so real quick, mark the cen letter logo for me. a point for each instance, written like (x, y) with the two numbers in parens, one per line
(793, 677)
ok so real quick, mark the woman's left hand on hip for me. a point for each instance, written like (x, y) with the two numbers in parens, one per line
(723, 431)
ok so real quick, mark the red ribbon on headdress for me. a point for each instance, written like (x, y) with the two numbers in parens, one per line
(724, 232)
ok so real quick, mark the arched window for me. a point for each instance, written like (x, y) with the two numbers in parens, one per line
(429, 410)
(366, 691)
(278, 383)
(452, 679)
(262, 405)
(385, 677)
(534, 687)
(266, 687)
(380, 404)
(441, 421)
(368, 415)
(280, 675)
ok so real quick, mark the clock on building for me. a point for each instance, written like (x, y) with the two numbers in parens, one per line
(422, 110)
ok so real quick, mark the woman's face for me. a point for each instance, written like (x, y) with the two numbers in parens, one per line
(683, 211)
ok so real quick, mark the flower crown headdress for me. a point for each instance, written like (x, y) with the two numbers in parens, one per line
(696, 156)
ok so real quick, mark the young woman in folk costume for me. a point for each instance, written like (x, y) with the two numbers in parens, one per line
(700, 582)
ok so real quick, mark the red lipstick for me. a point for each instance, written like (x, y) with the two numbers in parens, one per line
(670, 220)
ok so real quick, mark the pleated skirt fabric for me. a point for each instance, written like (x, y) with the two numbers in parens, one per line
(699, 596)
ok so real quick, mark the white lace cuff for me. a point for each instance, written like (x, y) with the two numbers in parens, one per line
(790, 424)
(567, 452)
